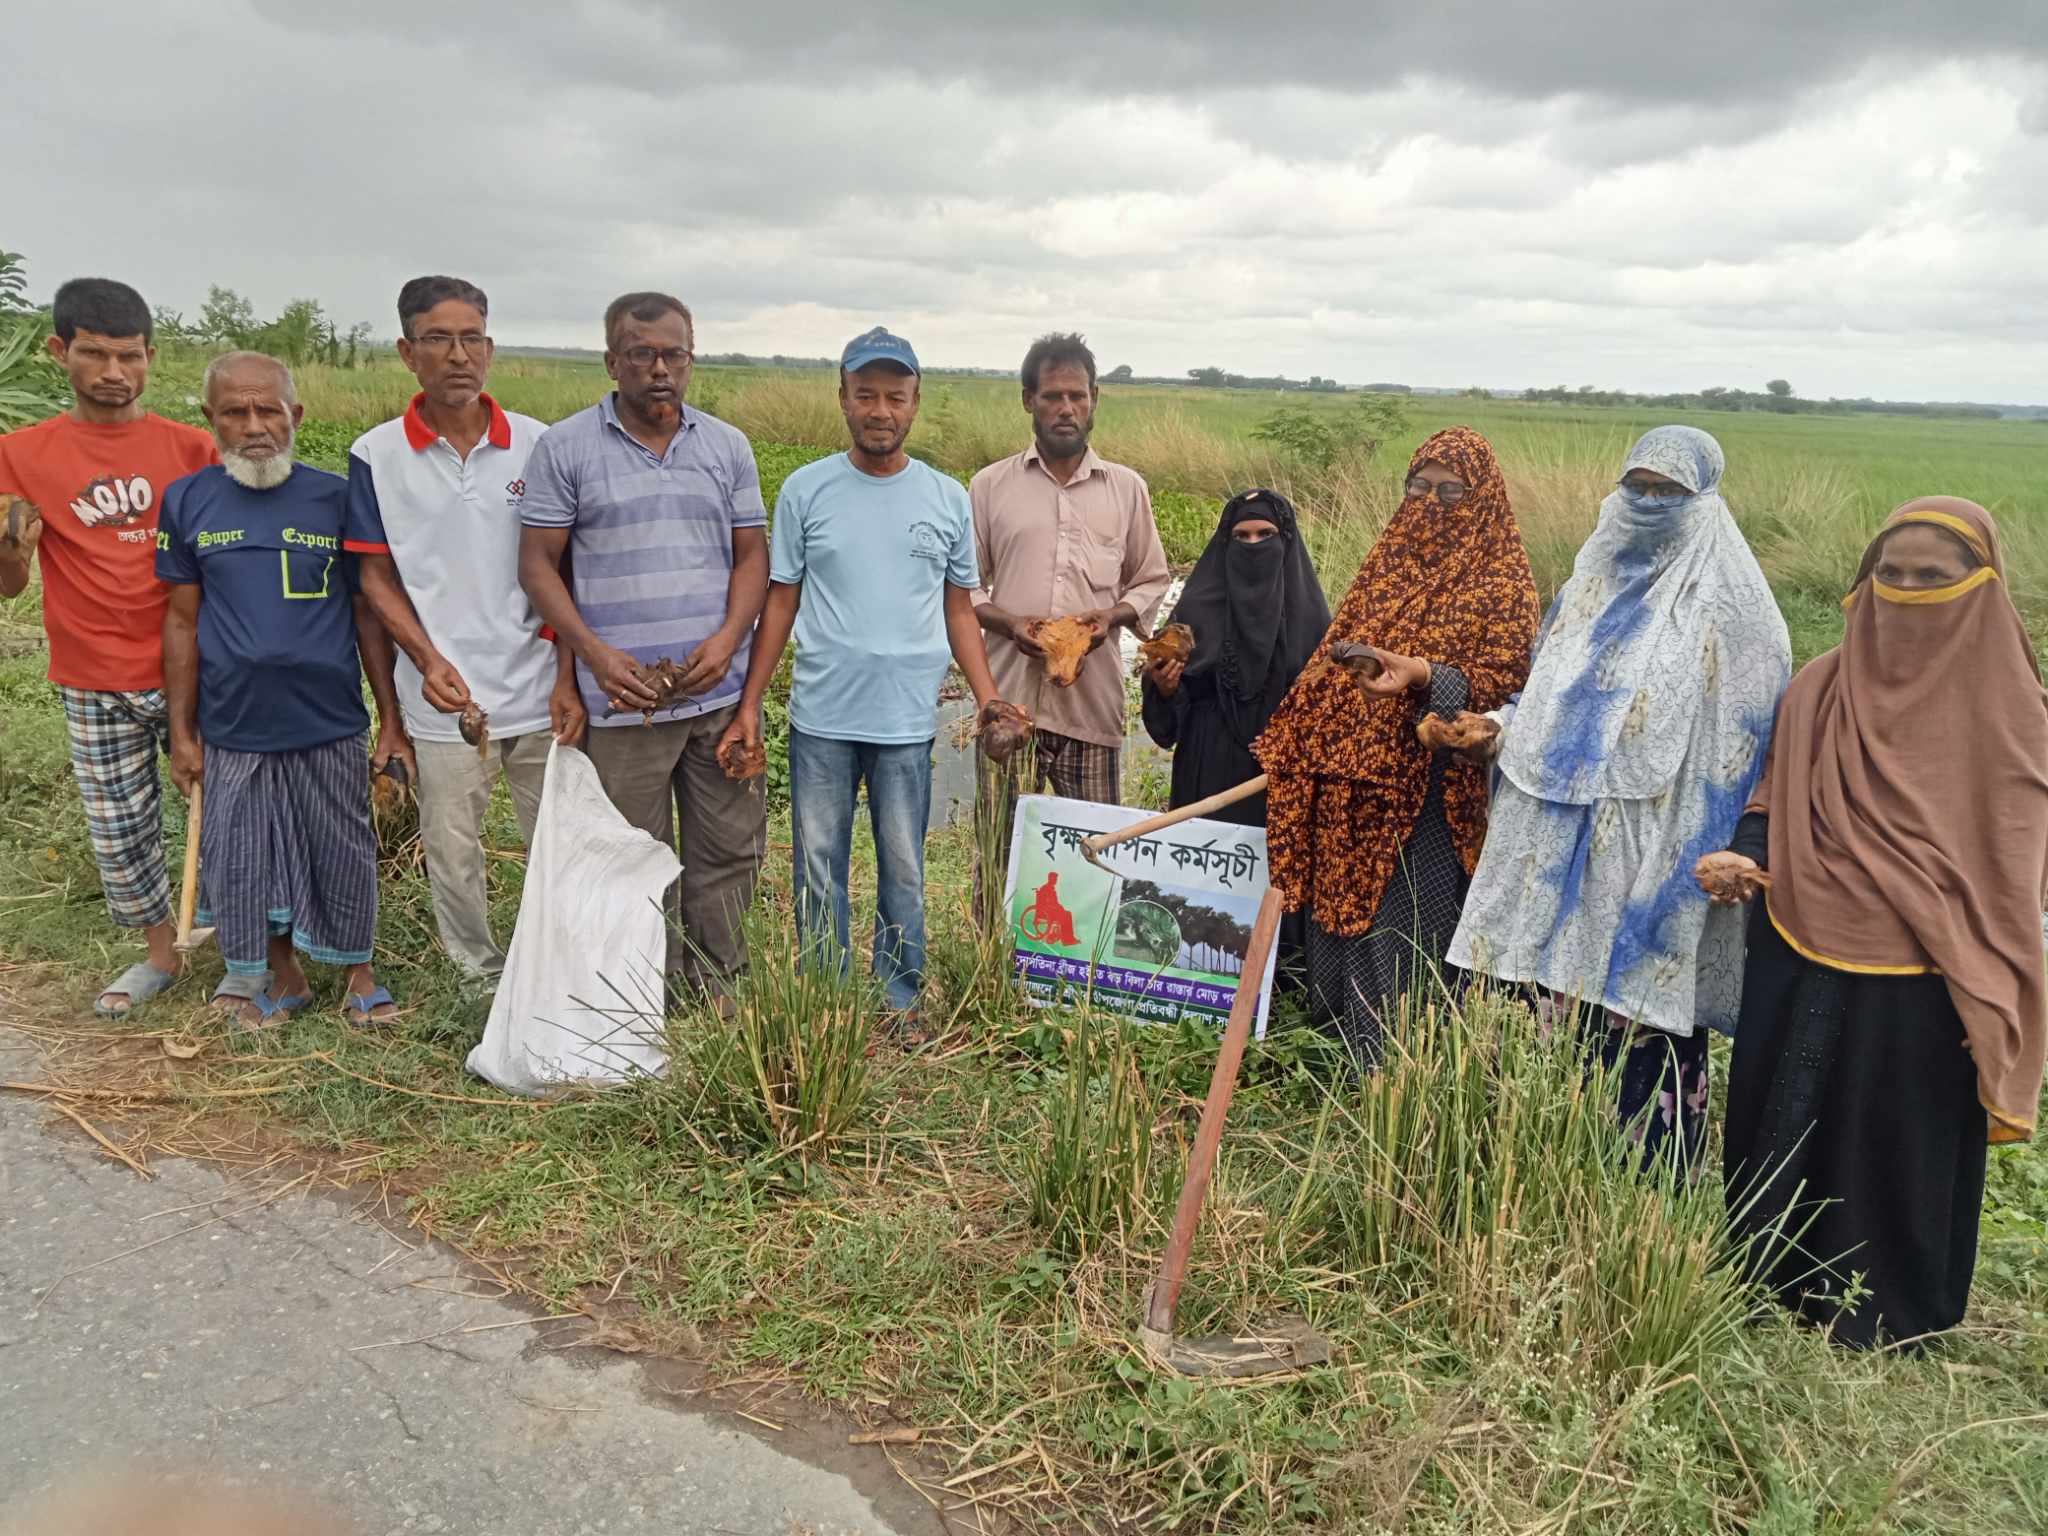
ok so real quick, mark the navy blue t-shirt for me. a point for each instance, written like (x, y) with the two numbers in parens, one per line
(277, 627)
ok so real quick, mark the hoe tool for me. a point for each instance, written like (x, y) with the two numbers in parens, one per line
(1091, 846)
(1274, 1346)
(188, 896)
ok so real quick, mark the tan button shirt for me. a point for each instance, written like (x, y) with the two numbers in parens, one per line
(1049, 550)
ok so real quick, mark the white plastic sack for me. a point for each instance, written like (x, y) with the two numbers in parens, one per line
(581, 997)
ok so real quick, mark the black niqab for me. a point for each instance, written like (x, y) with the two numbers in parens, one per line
(1257, 611)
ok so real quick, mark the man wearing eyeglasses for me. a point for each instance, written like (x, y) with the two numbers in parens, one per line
(658, 507)
(437, 556)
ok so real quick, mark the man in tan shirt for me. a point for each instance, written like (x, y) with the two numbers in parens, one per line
(1062, 533)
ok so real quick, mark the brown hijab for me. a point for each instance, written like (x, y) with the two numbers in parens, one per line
(1347, 776)
(1908, 795)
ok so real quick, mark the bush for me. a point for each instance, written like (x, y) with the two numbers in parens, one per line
(31, 386)
(325, 444)
(1185, 523)
(1323, 440)
(1313, 437)
(777, 462)
(1381, 419)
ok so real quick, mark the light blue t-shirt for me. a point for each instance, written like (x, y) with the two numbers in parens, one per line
(875, 556)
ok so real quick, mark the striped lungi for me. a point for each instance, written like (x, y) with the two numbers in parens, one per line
(286, 847)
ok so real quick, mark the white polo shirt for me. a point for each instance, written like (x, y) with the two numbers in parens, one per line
(451, 527)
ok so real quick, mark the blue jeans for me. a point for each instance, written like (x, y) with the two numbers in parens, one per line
(825, 775)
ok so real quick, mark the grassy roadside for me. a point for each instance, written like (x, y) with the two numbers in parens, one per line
(1526, 1345)
(1497, 1366)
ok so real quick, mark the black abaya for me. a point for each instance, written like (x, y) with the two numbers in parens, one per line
(1207, 757)
(1853, 1114)
(1258, 613)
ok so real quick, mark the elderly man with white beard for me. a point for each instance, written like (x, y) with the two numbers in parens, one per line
(261, 663)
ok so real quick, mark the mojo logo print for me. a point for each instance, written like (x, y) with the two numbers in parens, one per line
(114, 501)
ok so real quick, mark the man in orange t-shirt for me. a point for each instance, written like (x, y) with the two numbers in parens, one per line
(88, 483)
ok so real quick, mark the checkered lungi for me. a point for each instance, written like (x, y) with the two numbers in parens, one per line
(1074, 769)
(286, 847)
(116, 739)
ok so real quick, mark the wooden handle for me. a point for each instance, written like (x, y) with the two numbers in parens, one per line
(188, 897)
(1091, 846)
(1222, 1083)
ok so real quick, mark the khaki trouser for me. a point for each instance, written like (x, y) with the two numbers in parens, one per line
(664, 779)
(454, 791)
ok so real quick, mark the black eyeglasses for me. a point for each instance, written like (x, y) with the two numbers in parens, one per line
(643, 357)
(1449, 492)
(473, 342)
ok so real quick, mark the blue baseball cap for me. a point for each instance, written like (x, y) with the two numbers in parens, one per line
(878, 346)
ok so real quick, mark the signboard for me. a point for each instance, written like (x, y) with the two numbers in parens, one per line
(1160, 935)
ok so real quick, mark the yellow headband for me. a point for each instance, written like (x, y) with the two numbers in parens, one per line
(1961, 527)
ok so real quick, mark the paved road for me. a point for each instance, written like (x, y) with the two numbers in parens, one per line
(234, 1351)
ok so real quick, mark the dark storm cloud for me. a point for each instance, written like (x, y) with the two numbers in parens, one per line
(1652, 53)
(1492, 193)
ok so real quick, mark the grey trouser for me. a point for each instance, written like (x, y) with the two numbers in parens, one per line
(664, 779)
(454, 790)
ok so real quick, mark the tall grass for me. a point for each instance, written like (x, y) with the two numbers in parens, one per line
(1088, 1173)
(796, 407)
(786, 1069)
(1808, 490)
(976, 968)
(1486, 1163)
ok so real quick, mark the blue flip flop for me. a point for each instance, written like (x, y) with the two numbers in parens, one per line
(254, 990)
(139, 983)
(358, 1006)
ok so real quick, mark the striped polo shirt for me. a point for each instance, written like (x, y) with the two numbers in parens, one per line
(650, 544)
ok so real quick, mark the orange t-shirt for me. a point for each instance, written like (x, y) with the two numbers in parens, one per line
(98, 488)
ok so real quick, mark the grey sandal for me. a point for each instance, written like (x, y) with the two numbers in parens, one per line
(139, 983)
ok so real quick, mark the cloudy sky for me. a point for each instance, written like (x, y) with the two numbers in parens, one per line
(1849, 193)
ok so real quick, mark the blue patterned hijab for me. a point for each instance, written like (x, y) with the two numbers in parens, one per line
(1666, 613)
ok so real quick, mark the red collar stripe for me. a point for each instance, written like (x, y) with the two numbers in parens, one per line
(422, 437)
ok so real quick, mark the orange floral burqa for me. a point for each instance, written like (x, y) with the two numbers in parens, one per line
(1348, 778)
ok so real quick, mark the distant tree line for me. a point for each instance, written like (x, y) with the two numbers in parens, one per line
(1220, 378)
(1776, 396)
(303, 332)
(743, 360)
